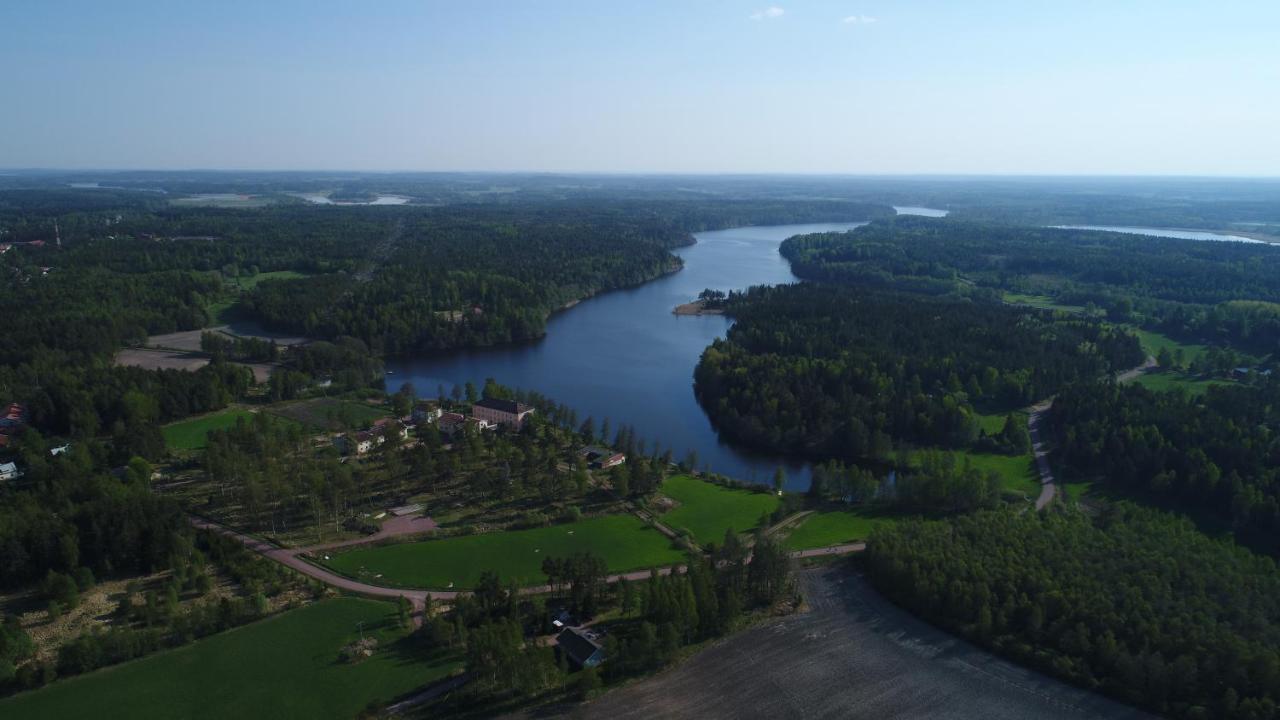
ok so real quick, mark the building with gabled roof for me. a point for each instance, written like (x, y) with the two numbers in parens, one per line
(507, 413)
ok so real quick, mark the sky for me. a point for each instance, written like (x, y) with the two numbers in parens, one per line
(1146, 87)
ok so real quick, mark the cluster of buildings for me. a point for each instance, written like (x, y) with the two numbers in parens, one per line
(486, 414)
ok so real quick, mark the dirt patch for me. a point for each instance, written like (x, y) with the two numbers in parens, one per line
(160, 359)
(853, 655)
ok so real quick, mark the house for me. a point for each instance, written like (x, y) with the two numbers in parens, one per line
(9, 471)
(14, 416)
(451, 422)
(507, 413)
(602, 458)
(427, 411)
(359, 443)
(580, 646)
(390, 425)
(5, 247)
(60, 450)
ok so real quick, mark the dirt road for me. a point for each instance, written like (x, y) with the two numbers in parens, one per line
(854, 655)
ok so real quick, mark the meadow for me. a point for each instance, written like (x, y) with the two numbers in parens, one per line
(193, 434)
(834, 527)
(623, 541)
(284, 667)
(708, 511)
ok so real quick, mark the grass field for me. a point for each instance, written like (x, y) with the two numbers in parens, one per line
(993, 423)
(823, 529)
(283, 667)
(193, 434)
(1154, 342)
(1040, 301)
(1160, 381)
(708, 510)
(624, 542)
(249, 282)
(1017, 472)
(330, 413)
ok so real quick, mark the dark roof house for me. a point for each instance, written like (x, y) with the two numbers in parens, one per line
(584, 651)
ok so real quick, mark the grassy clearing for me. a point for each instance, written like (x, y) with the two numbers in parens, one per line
(1076, 490)
(1154, 342)
(1017, 472)
(193, 434)
(330, 413)
(624, 542)
(249, 282)
(283, 667)
(823, 529)
(1040, 301)
(708, 510)
(993, 423)
(1161, 381)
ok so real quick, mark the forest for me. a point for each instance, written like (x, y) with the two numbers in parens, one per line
(1211, 456)
(826, 371)
(1131, 602)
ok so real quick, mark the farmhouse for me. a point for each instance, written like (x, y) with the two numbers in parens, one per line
(507, 413)
(580, 647)
(602, 458)
(427, 411)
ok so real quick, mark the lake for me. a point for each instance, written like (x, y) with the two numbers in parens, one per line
(323, 199)
(623, 355)
(922, 211)
(1162, 232)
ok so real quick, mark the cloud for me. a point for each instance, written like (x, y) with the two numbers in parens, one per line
(858, 20)
(770, 13)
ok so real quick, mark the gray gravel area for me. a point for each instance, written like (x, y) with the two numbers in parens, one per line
(854, 655)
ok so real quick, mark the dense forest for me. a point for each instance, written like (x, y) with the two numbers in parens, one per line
(1213, 455)
(1132, 602)
(826, 371)
(1187, 288)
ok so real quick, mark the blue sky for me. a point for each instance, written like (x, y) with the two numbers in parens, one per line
(875, 86)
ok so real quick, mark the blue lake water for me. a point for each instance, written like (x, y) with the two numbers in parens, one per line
(1163, 232)
(625, 356)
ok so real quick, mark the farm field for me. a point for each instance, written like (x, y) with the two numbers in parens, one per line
(823, 529)
(1160, 381)
(624, 541)
(330, 413)
(708, 510)
(283, 667)
(193, 434)
(1040, 301)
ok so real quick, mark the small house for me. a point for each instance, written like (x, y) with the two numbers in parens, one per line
(602, 458)
(427, 411)
(580, 647)
(9, 471)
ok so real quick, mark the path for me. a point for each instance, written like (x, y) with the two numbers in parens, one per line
(1035, 421)
(853, 655)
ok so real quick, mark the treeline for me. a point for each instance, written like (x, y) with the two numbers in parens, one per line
(1188, 288)
(70, 514)
(836, 372)
(1133, 603)
(1213, 456)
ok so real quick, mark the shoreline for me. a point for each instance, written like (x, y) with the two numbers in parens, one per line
(697, 307)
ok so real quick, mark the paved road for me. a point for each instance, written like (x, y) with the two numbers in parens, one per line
(854, 655)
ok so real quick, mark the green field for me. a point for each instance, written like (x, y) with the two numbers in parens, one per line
(708, 510)
(249, 282)
(1017, 472)
(824, 529)
(330, 413)
(1040, 301)
(1154, 342)
(193, 434)
(283, 667)
(1161, 381)
(993, 423)
(624, 541)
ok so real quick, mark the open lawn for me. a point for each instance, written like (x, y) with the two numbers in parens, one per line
(993, 423)
(283, 667)
(1017, 472)
(708, 510)
(1193, 384)
(1040, 301)
(624, 541)
(193, 434)
(835, 527)
(1154, 342)
(330, 413)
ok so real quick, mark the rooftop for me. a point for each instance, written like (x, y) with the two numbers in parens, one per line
(507, 406)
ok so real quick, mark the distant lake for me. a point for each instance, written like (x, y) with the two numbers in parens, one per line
(623, 355)
(322, 199)
(1163, 232)
(923, 211)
